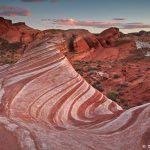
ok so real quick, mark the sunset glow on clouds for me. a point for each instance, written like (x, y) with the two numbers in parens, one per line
(13, 11)
(96, 24)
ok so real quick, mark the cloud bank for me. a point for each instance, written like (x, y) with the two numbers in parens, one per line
(97, 24)
(14, 11)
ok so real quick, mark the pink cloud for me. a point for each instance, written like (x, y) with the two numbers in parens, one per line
(14, 11)
(97, 24)
(73, 22)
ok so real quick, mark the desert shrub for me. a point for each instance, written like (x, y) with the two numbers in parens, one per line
(126, 107)
(98, 61)
(92, 68)
(80, 71)
(8, 50)
(10, 46)
(121, 86)
(112, 95)
(85, 62)
(120, 100)
(15, 46)
(98, 87)
(116, 76)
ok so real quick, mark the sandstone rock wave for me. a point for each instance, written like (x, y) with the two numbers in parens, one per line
(46, 105)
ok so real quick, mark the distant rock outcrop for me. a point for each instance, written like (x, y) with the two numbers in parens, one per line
(5, 25)
(86, 43)
(141, 33)
(17, 32)
(89, 46)
(108, 37)
(76, 40)
(14, 38)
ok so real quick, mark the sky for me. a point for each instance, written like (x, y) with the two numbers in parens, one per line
(93, 15)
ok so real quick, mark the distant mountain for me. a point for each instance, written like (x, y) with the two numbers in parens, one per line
(141, 33)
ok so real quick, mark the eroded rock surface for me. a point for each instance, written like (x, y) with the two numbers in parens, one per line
(17, 32)
(109, 36)
(46, 105)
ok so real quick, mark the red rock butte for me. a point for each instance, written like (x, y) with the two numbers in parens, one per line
(46, 105)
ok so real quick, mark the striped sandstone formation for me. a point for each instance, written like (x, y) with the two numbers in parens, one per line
(46, 105)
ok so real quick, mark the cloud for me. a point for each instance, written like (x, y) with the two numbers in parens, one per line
(39, 1)
(119, 19)
(138, 25)
(73, 22)
(14, 11)
(96, 24)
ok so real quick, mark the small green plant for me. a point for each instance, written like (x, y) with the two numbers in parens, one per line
(98, 86)
(126, 107)
(121, 86)
(112, 95)
(80, 71)
(92, 68)
(11, 46)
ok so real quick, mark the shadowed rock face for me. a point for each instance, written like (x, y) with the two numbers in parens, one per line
(86, 43)
(46, 105)
(78, 40)
(4, 25)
